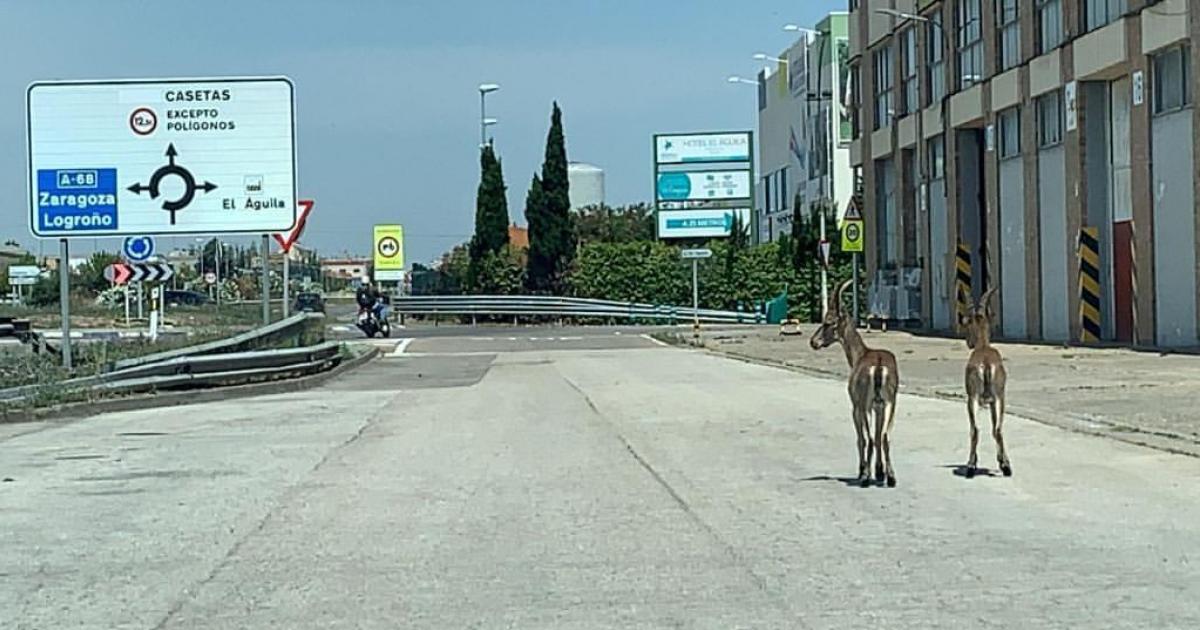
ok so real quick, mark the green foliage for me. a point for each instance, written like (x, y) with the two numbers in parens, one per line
(642, 271)
(45, 291)
(90, 276)
(548, 213)
(608, 224)
(500, 273)
(491, 213)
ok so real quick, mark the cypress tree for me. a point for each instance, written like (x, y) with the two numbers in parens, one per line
(551, 237)
(491, 212)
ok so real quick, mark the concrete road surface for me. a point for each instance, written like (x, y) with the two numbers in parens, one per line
(603, 482)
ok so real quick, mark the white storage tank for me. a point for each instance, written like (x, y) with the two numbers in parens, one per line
(587, 185)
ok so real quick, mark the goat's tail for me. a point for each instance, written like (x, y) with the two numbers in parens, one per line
(987, 372)
(879, 374)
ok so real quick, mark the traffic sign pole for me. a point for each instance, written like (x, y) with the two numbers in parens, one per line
(64, 295)
(824, 271)
(266, 279)
(285, 285)
(695, 300)
(220, 246)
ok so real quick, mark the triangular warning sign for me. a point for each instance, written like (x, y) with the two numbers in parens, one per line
(853, 212)
(288, 239)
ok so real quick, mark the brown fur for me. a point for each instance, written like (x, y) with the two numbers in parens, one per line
(985, 380)
(873, 385)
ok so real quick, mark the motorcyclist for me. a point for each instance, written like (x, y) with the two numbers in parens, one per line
(368, 297)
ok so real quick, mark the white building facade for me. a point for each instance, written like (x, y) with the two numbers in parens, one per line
(804, 130)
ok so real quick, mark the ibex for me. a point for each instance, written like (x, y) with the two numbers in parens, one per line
(874, 381)
(985, 379)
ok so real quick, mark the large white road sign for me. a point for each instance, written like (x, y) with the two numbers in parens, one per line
(174, 156)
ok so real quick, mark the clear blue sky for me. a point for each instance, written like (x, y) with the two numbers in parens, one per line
(387, 107)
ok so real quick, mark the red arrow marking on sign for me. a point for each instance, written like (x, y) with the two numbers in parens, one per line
(287, 240)
(121, 273)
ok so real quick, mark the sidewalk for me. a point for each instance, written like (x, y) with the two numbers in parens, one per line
(1139, 397)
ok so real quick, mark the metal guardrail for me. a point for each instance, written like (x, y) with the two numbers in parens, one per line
(553, 306)
(292, 325)
(194, 370)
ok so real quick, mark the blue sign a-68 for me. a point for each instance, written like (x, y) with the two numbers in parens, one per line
(77, 200)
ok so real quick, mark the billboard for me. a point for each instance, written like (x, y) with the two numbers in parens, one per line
(705, 147)
(700, 223)
(703, 185)
(389, 253)
(150, 157)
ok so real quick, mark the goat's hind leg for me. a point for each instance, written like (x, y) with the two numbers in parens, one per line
(973, 458)
(864, 446)
(998, 434)
(887, 417)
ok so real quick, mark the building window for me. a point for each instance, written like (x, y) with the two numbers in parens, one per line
(883, 87)
(1008, 26)
(1172, 82)
(781, 195)
(1049, 19)
(935, 154)
(935, 58)
(1008, 132)
(853, 100)
(1050, 119)
(908, 71)
(1097, 13)
(766, 187)
(970, 43)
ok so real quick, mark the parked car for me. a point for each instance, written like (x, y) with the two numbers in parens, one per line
(309, 303)
(184, 298)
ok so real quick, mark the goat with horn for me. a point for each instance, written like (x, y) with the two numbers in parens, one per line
(985, 379)
(874, 382)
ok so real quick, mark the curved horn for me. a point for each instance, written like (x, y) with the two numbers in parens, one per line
(986, 297)
(837, 294)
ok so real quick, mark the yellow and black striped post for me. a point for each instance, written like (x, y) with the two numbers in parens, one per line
(1089, 284)
(962, 280)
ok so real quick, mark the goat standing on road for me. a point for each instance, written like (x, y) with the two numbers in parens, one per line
(874, 382)
(985, 380)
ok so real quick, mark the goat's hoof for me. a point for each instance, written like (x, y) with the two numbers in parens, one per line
(891, 481)
(879, 476)
(864, 482)
(1006, 469)
(970, 472)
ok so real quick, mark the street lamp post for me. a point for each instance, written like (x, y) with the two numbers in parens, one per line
(737, 79)
(484, 121)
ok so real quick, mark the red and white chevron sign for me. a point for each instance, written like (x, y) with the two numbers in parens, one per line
(131, 273)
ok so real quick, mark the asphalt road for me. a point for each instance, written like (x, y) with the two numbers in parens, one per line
(599, 482)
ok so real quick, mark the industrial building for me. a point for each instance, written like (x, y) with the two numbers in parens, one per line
(804, 129)
(586, 183)
(1042, 147)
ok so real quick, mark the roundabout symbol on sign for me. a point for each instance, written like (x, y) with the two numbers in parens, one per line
(189, 184)
(389, 247)
(138, 248)
(143, 121)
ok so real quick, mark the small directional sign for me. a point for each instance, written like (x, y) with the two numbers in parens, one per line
(130, 273)
(138, 248)
(691, 254)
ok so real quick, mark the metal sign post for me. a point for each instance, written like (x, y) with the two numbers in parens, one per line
(285, 285)
(695, 255)
(64, 298)
(266, 279)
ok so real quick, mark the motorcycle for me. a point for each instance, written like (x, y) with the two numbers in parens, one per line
(371, 324)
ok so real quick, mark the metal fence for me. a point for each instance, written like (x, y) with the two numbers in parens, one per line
(573, 307)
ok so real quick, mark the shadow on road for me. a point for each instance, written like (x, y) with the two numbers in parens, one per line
(852, 482)
(960, 470)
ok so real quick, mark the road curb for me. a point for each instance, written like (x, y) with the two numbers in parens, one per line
(1158, 440)
(81, 410)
